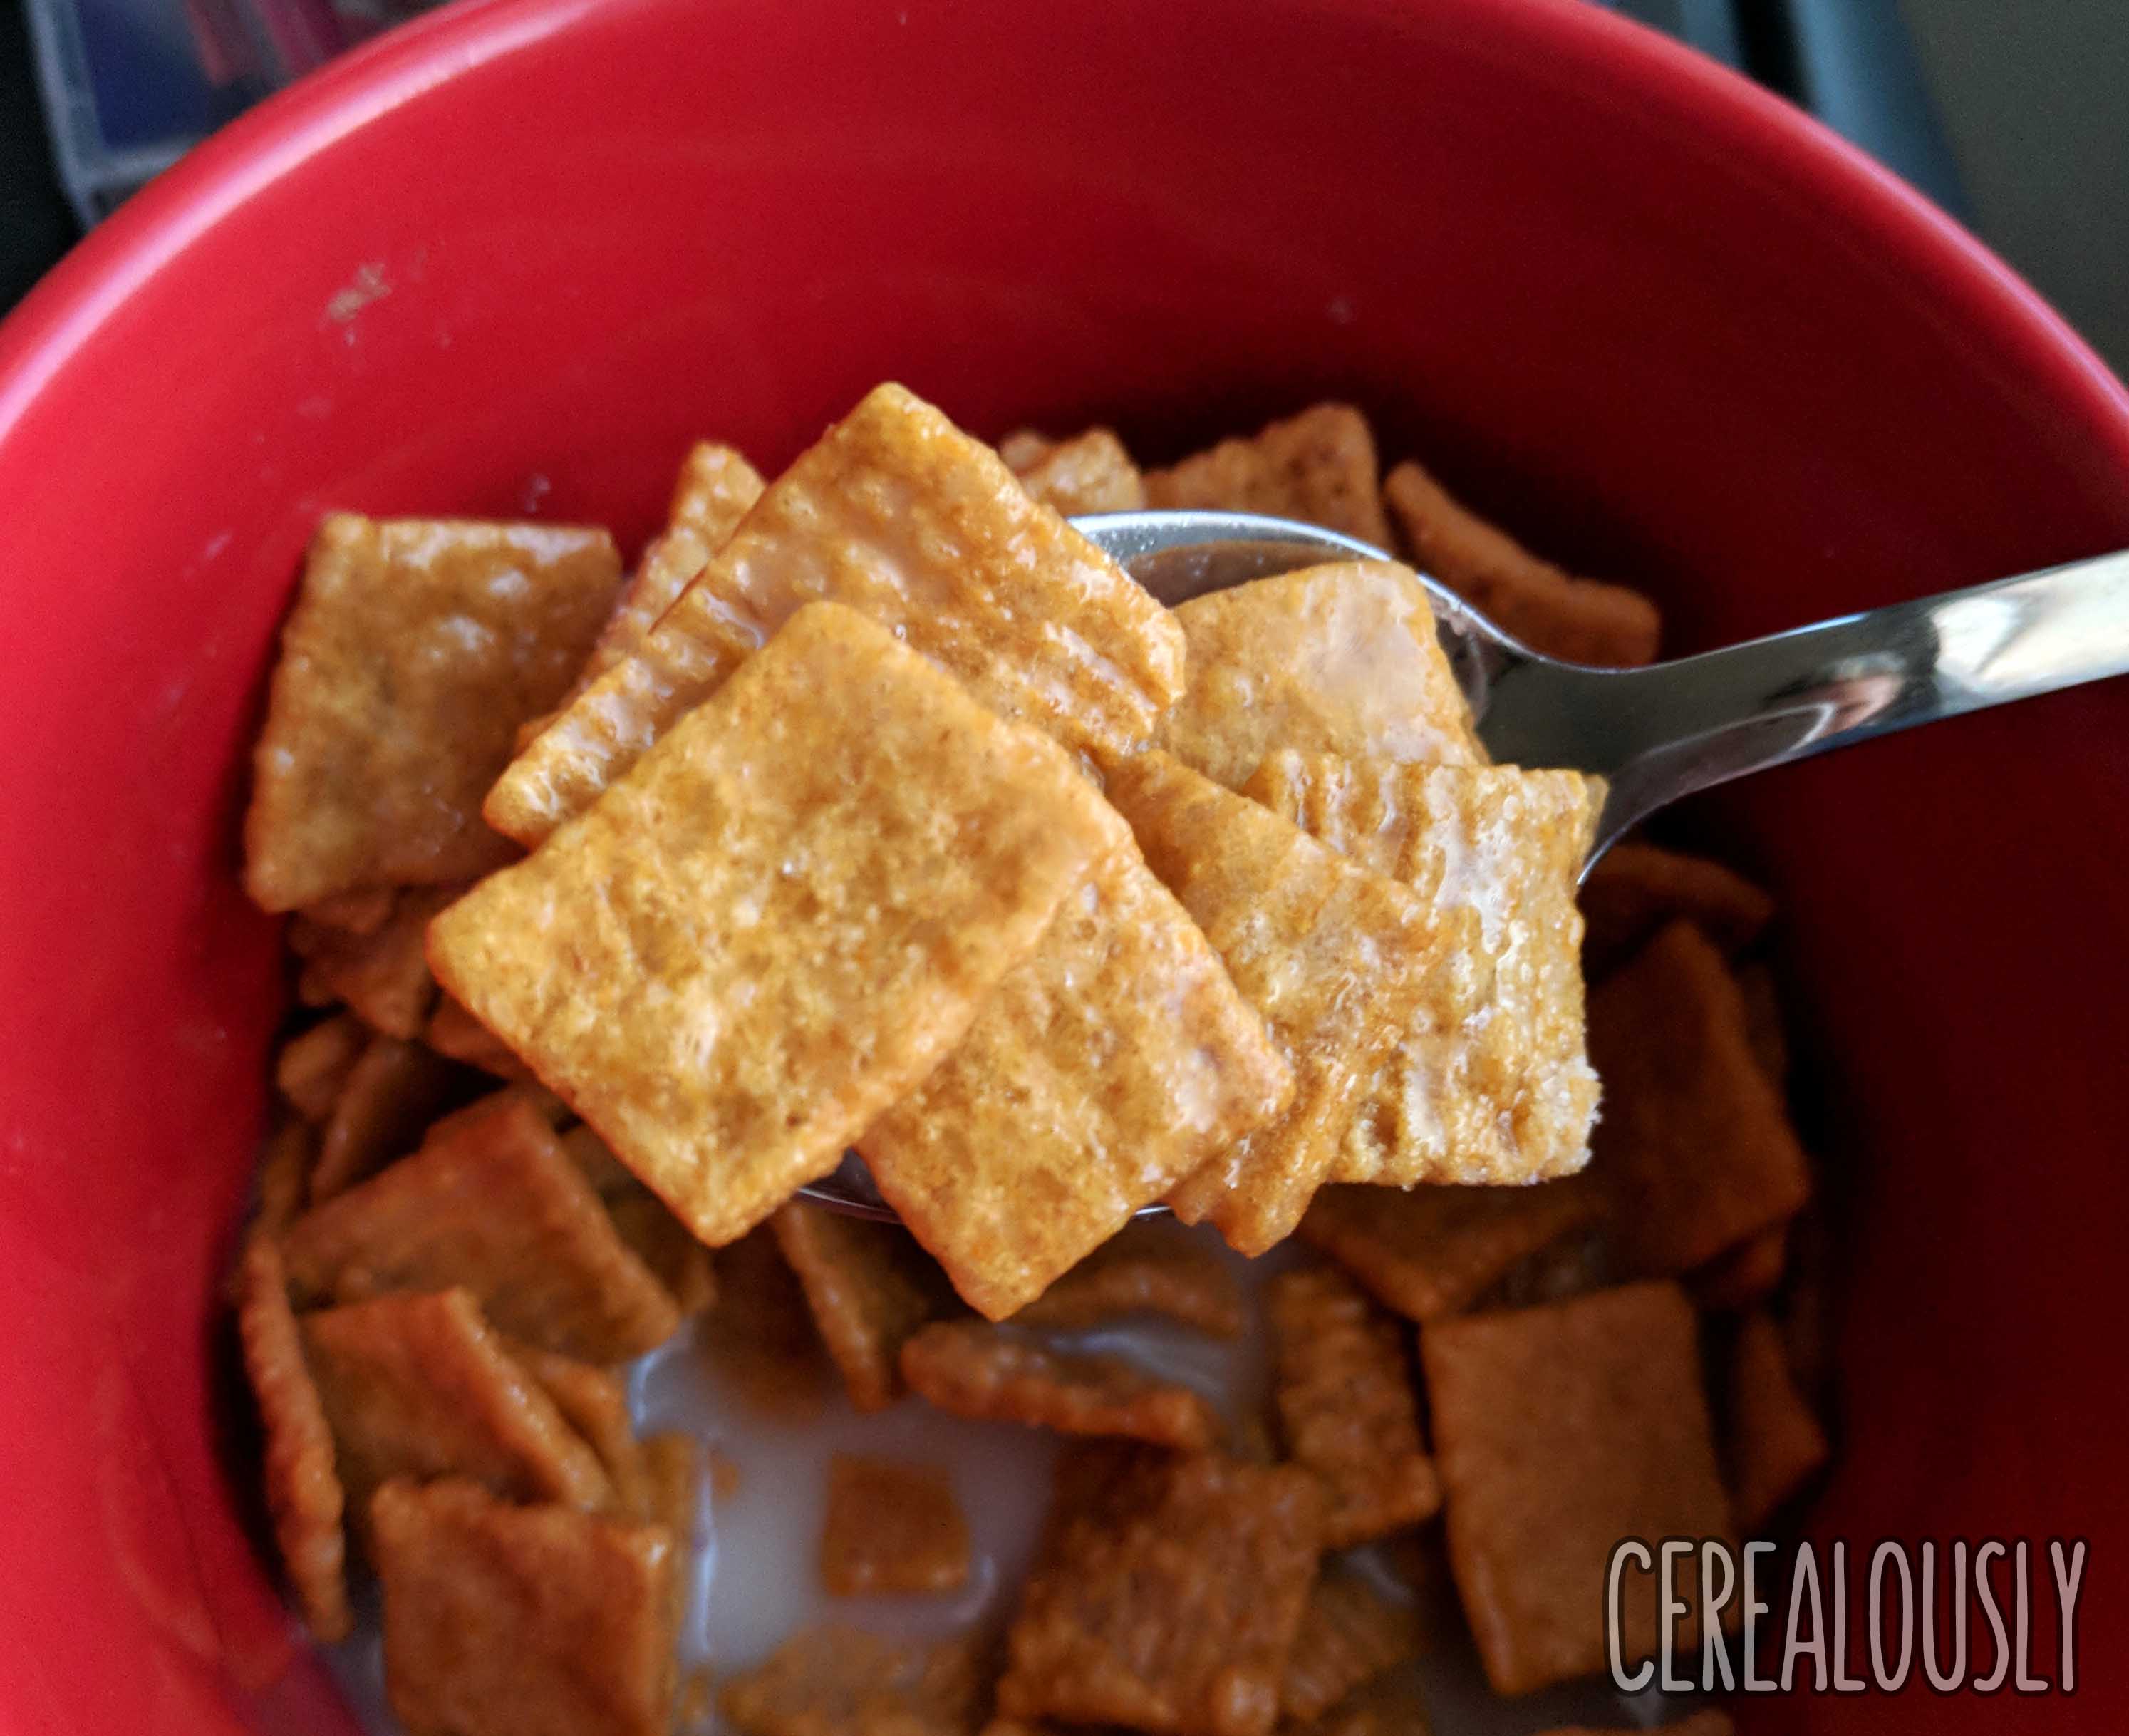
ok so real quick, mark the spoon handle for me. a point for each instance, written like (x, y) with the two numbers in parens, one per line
(1666, 730)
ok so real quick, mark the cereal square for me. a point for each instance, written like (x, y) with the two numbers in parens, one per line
(1109, 1065)
(1576, 620)
(1334, 958)
(1492, 1083)
(382, 975)
(1637, 889)
(1150, 1266)
(899, 515)
(1342, 1383)
(1166, 1593)
(1002, 1374)
(311, 1069)
(781, 919)
(1434, 1251)
(418, 1387)
(415, 648)
(870, 1287)
(1695, 1150)
(1341, 658)
(1559, 1431)
(593, 1401)
(1089, 473)
(1319, 467)
(1748, 1273)
(834, 1681)
(454, 1031)
(891, 1527)
(489, 1202)
(392, 1093)
(1350, 1633)
(502, 1620)
(759, 1339)
(284, 1176)
(1775, 1443)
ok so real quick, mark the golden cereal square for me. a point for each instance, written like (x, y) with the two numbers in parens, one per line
(1493, 1085)
(1166, 1593)
(1109, 1065)
(382, 975)
(892, 1527)
(834, 1680)
(1089, 473)
(311, 1069)
(393, 1092)
(503, 1620)
(489, 1202)
(1341, 658)
(415, 648)
(418, 1387)
(1775, 1440)
(1695, 1150)
(899, 515)
(593, 1401)
(781, 920)
(1576, 620)
(1343, 1385)
(988, 1373)
(1334, 958)
(870, 1287)
(1319, 467)
(1560, 1431)
(759, 1341)
(1152, 1265)
(1350, 1633)
(1637, 889)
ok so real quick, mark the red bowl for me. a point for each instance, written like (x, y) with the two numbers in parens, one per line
(511, 259)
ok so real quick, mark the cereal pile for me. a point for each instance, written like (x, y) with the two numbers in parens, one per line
(877, 809)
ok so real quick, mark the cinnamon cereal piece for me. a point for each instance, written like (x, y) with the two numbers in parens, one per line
(899, 515)
(490, 1203)
(1559, 1431)
(1576, 620)
(594, 1402)
(1349, 1634)
(1695, 1149)
(1319, 466)
(673, 1497)
(1166, 1593)
(891, 1527)
(781, 919)
(1149, 1267)
(454, 1031)
(1493, 1084)
(415, 648)
(381, 975)
(870, 1287)
(969, 1368)
(393, 1092)
(362, 912)
(284, 1176)
(304, 1490)
(1089, 473)
(1434, 1251)
(1636, 889)
(1335, 960)
(1115, 1061)
(1342, 659)
(502, 1620)
(1775, 1443)
(834, 1681)
(1748, 1273)
(311, 1069)
(759, 1339)
(665, 1245)
(1346, 1406)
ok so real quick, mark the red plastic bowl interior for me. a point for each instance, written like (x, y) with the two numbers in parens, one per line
(510, 259)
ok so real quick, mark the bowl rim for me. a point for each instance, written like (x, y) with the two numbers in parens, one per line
(146, 235)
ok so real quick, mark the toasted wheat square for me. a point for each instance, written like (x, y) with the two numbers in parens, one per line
(1334, 958)
(454, 1031)
(393, 1091)
(1340, 660)
(870, 1287)
(1775, 1443)
(781, 920)
(1434, 1251)
(758, 1340)
(1493, 1085)
(502, 1620)
(284, 1176)
(1577, 620)
(303, 1489)
(673, 1466)
(415, 648)
(891, 1527)
(834, 1681)
(1109, 1065)
(1749, 1273)
(381, 975)
(1636, 889)
(311, 1069)
(660, 1240)
(593, 1401)
(1319, 466)
(1695, 1149)
(971, 1368)
(489, 1202)
(1342, 1382)
(1089, 473)
(899, 515)
(1166, 1593)
(362, 912)
(1150, 1266)
(1350, 1633)
(417, 1385)
(1559, 1431)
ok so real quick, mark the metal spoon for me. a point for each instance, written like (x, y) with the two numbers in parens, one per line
(1657, 733)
